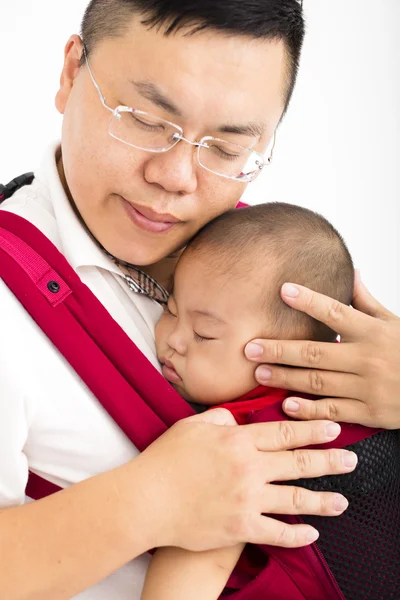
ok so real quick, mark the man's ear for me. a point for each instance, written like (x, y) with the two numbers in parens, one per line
(72, 56)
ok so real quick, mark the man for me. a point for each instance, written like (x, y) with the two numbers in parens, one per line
(130, 187)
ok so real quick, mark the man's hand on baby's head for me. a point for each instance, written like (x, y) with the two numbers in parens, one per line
(216, 479)
(360, 376)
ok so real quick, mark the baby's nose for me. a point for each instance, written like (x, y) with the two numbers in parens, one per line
(177, 342)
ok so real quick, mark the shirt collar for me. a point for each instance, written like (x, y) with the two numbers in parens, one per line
(76, 244)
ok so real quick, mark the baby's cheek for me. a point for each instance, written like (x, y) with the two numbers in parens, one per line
(238, 378)
(205, 381)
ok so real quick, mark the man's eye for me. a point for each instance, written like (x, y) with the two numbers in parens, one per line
(148, 125)
(201, 338)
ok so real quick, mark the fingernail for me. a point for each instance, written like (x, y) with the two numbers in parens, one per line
(350, 459)
(340, 503)
(292, 406)
(263, 374)
(332, 430)
(312, 536)
(253, 350)
(290, 290)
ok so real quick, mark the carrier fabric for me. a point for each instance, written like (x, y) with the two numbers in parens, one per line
(362, 546)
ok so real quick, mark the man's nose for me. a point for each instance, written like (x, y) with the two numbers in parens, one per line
(174, 170)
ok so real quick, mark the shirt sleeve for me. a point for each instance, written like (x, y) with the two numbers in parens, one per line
(14, 386)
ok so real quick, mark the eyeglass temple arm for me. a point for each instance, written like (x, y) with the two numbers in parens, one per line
(102, 98)
(271, 156)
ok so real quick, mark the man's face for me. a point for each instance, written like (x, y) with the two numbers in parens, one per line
(207, 81)
(201, 336)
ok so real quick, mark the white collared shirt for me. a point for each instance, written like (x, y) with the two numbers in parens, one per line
(49, 420)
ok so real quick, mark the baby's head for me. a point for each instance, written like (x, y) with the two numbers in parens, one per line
(227, 292)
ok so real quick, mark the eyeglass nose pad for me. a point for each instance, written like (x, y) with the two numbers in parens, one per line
(176, 137)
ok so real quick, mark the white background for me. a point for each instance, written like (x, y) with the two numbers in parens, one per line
(338, 149)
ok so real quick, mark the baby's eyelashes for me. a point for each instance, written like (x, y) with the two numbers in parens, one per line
(202, 338)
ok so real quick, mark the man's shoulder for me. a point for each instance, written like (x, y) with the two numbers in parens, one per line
(36, 192)
(33, 202)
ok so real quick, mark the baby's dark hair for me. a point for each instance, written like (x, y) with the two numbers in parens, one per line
(278, 243)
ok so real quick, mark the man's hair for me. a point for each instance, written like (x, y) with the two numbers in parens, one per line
(278, 243)
(269, 19)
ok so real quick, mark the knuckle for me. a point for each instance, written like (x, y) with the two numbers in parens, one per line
(285, 536)
(336, 311)
(314, 410)
(316, 381)
(373, 365)
(286, 433)
(311, 354)
(238, 527)
(285, 379)
(240, 456)
(302, 460)
(237, 439)
(378, 415)
(277, 351)
(241, 467)
(381, 331)
(324, 502)
(244, 498)
(310, 300)
(298, 498)
(332, 411)
(385, 337)
(334, 458)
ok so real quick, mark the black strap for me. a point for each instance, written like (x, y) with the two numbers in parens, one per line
(6, 191)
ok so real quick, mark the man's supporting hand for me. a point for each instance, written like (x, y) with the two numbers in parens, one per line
(214, 480)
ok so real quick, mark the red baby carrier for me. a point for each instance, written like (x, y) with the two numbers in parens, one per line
(357, 556)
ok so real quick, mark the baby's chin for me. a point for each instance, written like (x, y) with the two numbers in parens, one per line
(186, 395)
(178, 387)
(182, 391)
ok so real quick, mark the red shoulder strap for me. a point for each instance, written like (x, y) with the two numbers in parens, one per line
(132, 391)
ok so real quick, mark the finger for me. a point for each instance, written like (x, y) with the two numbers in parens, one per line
(321, 355)
(218, 416)
(341, 318)
(296, 464)
(311, 381)
(285, 435)
(344, 410)
(365, 302)
(276, 533)
(292, 500)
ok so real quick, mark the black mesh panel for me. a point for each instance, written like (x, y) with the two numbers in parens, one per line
(362, 546)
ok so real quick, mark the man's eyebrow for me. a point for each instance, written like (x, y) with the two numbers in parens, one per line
(252, 129)
(209, 315)
(152, 92)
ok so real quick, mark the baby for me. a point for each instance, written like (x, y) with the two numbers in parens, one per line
(226, 292)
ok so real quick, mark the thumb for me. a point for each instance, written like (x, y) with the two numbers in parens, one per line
(365, 302)
(217, 416)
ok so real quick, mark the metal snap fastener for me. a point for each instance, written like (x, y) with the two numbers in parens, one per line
(53, 287)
